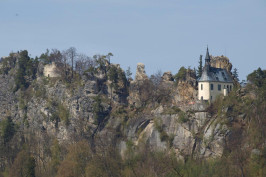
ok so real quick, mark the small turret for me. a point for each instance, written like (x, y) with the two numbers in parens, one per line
(207, 59)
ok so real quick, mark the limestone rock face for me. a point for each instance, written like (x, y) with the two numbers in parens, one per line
(140, 79)
(167, 76)
(140, 73)
(192, 133)
(90, 88)
(186, 92)
(117, 91)
(191, 77)
(200, 136)
(221, 62)
(186, 89)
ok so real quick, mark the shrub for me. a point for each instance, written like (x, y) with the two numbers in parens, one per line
(63, 114)
(98, 110)
(24, 165)
(40, 92)
(59, 112)
(27, 69)
(159, 127)
(172, 110)
(181, 75)
(74, 164)
(7, 129)
(182, 117)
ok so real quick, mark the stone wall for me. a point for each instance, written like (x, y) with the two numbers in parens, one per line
(50, 70)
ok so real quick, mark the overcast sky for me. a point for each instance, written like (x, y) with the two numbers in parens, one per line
(162, 34)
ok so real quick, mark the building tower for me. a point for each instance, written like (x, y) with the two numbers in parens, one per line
(213, 81)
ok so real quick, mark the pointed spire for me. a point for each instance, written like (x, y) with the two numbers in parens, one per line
(207, 58)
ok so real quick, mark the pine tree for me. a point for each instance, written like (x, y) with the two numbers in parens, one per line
(235, 74)
(22, 71)
(199, 71)
(128, 73)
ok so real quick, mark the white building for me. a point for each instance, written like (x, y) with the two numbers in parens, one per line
(213, 81)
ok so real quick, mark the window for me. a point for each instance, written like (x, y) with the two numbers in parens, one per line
(211, 97)
(201, 86)
(230, 87)
(211, 86)
(219, 87)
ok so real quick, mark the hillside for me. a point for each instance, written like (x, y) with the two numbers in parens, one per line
(95, 120)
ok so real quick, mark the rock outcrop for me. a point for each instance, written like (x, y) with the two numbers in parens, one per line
(140, 73)
(167, 77)
(186, 89)
(221, 62)
(100, 105)
(135, 85)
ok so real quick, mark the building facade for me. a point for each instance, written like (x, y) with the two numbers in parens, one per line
(213, 81)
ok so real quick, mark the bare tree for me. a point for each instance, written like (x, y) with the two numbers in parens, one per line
(156, 78)
(72, 54)
(56, 56)
(63, 70)
(109, 55)
(83, 63)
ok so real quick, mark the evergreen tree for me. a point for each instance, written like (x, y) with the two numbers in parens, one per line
(21, 72)
(7, 129)
(45, 57)
(235, 74)
(113, 75)
(181, 75)
(258, 77)
(27, 68)
(128, 73)
(98, 110)
(199, 71)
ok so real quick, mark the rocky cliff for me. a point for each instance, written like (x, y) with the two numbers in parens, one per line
(66, 111)
(102, 106)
